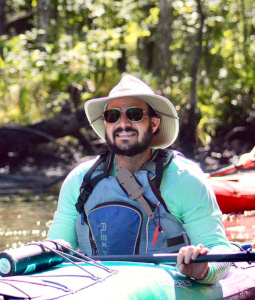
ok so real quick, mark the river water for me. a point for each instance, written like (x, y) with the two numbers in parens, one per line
(23, 221)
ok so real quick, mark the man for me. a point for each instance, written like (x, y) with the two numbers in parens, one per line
(142, 200)
(247, 158)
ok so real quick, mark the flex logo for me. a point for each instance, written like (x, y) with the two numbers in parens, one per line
(103, 236)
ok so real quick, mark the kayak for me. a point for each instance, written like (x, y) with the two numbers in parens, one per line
(51, 270)
(235, 192)
(125, 280)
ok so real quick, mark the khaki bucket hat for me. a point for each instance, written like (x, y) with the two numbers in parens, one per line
(131, 86)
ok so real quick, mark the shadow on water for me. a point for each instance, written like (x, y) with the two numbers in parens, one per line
(25, 219)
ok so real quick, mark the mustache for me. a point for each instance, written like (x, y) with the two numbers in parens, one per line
(126, 129)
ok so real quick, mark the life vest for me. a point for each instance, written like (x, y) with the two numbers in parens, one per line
(110, 222)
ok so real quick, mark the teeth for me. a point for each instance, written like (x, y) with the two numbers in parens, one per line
(125, 134)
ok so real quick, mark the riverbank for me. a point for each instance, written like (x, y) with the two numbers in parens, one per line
(43, 173)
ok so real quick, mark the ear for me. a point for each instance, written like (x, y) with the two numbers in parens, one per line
(155, 122)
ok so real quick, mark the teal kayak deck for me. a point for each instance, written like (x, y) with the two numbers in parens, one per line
(125, 280)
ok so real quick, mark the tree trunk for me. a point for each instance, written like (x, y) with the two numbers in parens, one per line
(2, 27)
(2, 17)
(17, 141)
(188, 130)
(44, 14)
(162, 55)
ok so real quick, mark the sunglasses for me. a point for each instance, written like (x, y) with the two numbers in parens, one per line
(134, 114)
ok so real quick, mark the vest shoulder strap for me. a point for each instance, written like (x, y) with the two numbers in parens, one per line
(161, 158)
(104, 163)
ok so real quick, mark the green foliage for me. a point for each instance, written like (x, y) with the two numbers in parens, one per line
(228, 96)
(34, 79)
(86, 40)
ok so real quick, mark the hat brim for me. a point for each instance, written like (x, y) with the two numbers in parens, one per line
(169, 125)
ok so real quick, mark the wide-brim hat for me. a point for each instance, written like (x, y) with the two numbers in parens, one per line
(130, 86)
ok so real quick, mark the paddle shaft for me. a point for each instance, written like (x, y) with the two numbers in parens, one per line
(230, 169)
(172, 258)
(226, 170)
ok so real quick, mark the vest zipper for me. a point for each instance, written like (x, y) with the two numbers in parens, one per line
(147, 235)
(93, 245)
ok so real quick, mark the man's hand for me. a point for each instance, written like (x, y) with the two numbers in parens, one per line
(247, 158)
(194, 270)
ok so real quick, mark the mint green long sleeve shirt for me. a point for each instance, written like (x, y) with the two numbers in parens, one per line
(187, 194)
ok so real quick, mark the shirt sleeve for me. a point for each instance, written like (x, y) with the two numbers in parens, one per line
(190, 198)
(63, 226)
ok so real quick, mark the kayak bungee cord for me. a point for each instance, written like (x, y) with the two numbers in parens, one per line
(44, 255)
(7, 282)
(17, 261)
(80, 258)
(44, 283)
(136, 276)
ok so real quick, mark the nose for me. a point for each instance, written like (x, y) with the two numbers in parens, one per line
(123, 121)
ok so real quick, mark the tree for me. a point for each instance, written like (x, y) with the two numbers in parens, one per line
(88, 44)
(2, 17)
(18, 142)
(188, 128)
(44, 17)
(162, 66)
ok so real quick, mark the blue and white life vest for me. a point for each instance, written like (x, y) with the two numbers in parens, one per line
(110, 223)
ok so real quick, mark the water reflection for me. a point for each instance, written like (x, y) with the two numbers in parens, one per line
(240, 227)
(23, 221)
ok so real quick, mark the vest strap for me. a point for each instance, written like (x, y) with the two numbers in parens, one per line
(162, 157)
(159, 171)
(87, 190)
(88, 184)
(133, 189)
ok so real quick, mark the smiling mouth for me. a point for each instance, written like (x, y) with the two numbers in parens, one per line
(125, 134)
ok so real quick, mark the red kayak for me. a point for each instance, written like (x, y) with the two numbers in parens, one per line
(234, 188)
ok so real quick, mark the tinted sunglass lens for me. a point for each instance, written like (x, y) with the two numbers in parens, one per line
(134, 114)
(112, 115)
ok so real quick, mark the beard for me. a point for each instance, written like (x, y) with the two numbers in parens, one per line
(130, 150)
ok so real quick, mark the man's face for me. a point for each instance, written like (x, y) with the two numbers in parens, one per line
(130, 138)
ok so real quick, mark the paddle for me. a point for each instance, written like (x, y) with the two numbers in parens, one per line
(43, 255)
(242, 256)
(171, 258)
(231, 169)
